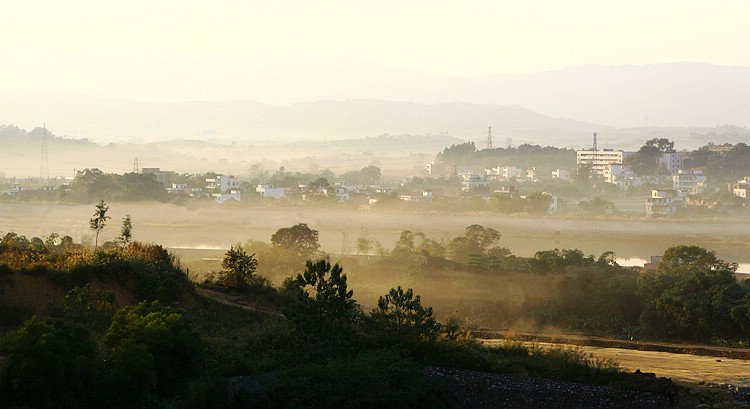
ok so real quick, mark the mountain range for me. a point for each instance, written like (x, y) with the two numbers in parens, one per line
(625, 104)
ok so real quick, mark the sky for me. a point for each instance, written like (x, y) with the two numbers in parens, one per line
(190, 50)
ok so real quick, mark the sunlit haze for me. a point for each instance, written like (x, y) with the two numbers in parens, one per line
(177, 51)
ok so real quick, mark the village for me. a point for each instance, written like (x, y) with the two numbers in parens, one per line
(657, 182)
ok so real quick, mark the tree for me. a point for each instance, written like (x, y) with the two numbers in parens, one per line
(400, 315)
(645, 162)
(239, 267)
(99, 220)
(301, 240)
(682, 259)
(326, 308)
(49, 362)
(151, 348)
(126, 234)
(477, 241)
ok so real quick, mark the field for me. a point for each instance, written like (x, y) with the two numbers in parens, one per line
(210, 226)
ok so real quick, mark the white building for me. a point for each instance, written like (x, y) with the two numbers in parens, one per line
(473, 182)
(273, 192)
(561, 174)
(438, 169)
(665, 202)
(222, 183)
(598, 160)
(672, 161)
(504, 172)
(552, 202)
(689, 181)
(232, 194)
(740, 189)
(425, 196)
(342, 194)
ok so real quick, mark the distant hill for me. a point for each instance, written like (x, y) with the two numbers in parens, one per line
(681, 94)
(245, 121)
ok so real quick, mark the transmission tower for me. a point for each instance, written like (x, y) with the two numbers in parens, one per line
(595, 157)
(44, 166)
(489, 138)
(135, 166)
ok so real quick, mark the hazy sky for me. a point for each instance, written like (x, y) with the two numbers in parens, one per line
(183, 50)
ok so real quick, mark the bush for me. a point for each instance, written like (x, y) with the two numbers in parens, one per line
(49, 363)
(376, 379)
(155, 346)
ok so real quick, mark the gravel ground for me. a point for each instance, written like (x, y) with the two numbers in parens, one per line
(473, 389)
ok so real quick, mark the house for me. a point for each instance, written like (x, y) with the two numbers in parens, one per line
(162, 176)
(474, 182)
(504, 172)
(424, 196)
(507, 191)
(222, 183)
(272, 192)
(561, 174)
(232, 194)
(341, 193)
(177, 188)
(691, 181)
(740, 189)
(665, 202)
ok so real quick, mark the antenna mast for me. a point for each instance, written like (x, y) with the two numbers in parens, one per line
(489, 138)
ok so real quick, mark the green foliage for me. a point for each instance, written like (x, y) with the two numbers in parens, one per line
(93, 183)
(558, 261)
(477, 241)
(126, 234)
(682, 259)
(49, 362)
(694, 295)
(366, 176)
(149, 270)
(299, 239)
(99, 220)
(239, 268)
(154, 346)
(88, 307)
(16, 250)
(596, 207)
(401, 317)
(458, 328)
(323, 311)
(374, 379)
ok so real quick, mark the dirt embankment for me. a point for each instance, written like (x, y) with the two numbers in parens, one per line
(603, 342)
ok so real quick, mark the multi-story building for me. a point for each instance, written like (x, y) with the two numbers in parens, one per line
(740, 189)
(222, 183)
(672, 161)
(689, 181)
(665, 202)
(597, 160)
(162, 176)
(438, 169)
